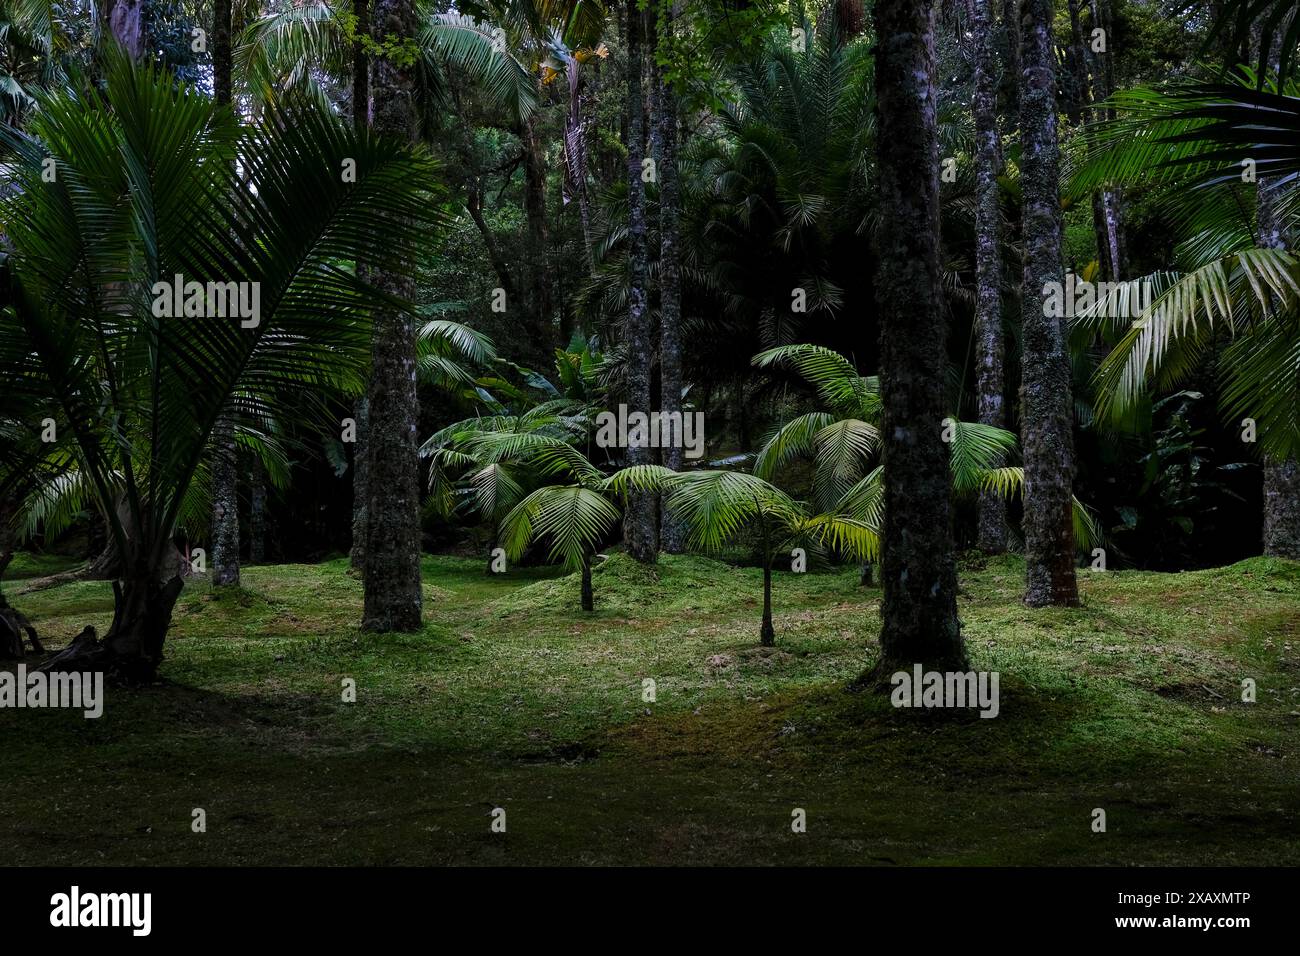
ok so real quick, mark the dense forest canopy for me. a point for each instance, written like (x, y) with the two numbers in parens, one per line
(1054, 302)
(661, 432)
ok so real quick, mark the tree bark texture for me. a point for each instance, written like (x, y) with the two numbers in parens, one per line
(918, 572)
(672, 536)
(360, 484)
(1046, 415)
(257, 512)
(989, 358)
(1281, 478)
(393, 600)
(639, 521)
(225, 506)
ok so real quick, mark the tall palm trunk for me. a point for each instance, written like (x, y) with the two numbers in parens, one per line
(225, 506)
(1080, 99)
(639, 531)
(393, 599)
(1107, 204)
(672, 536)
(1282, 508)
(1045, 408)
(221, 51)
(575, 158)
(257, 513)
(1011, 43)
(918, 571)
(225, 473)
(989, 374)
(540, 303)
(360, 482)
(1281, 477)
(588, 601)
(1077, 62)
(767, 633)
(361, 408)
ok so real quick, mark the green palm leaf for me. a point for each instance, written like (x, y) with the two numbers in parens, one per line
(572, 519)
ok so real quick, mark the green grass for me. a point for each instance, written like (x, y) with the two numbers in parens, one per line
(27, 564)
(511, 697)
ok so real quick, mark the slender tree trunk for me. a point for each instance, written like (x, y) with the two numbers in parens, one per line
(1080, 99)
(222, 65)
(575, 157)
(473, 184)
(361, 408)
(672, 537)
(541, 301)
(639, 531)
(225, 471)
(1011, 43)
(1107, 204)
(1281, 478)
(393, 600)
(988, 267)
(257, 513)
(588, 602)
(360, 482)
(1076, 58)
(225, 506)
(1282, 508)
(767, 636)
(918, 570)
(1045, 413)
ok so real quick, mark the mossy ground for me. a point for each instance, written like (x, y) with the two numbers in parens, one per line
(511, 697)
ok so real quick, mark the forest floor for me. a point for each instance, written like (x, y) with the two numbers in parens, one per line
(512, 698)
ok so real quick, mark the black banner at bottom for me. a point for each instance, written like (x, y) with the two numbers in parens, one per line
(335, 905)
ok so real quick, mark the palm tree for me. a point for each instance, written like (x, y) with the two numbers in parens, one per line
(145, 191)
(843, 441)
(778, 205)
(1045, 408)
(1233, 295)
(777, 202)
(717, 506)
(507, 51)
(467, 475)
(714, 506)
(843, 437)
(33, 42)
(573, 517)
